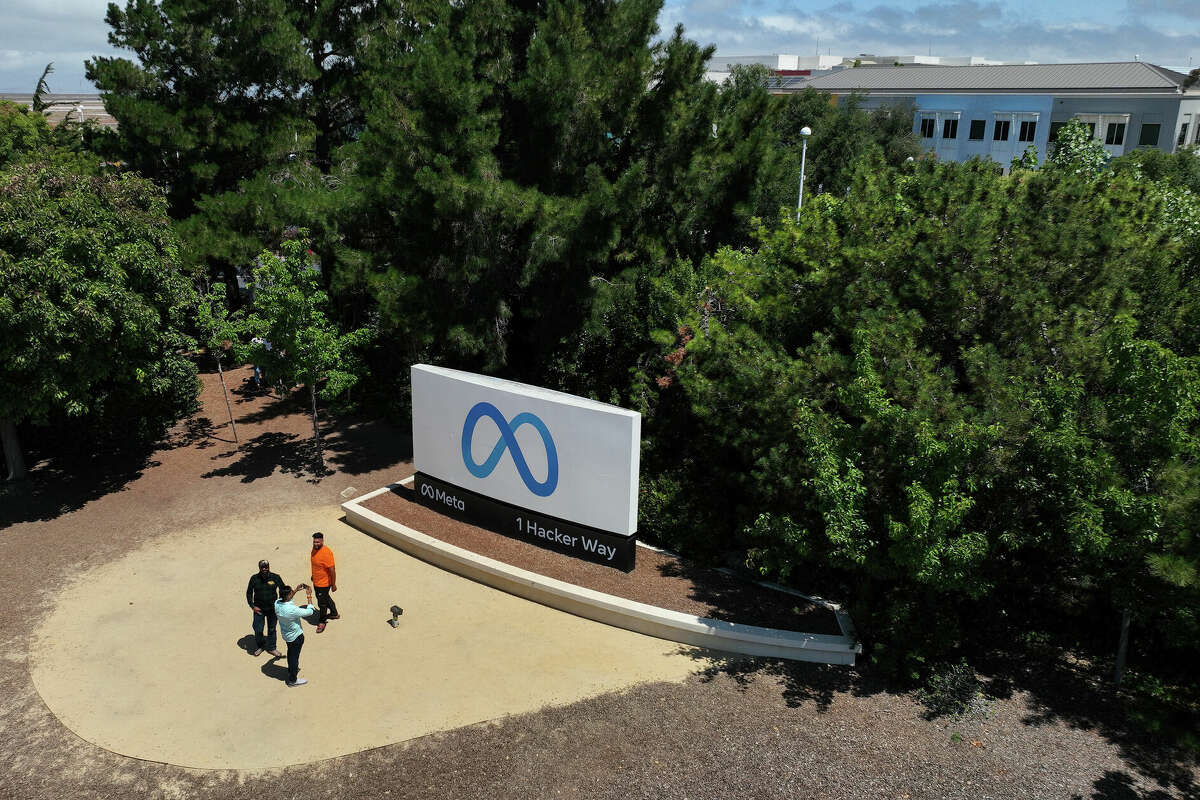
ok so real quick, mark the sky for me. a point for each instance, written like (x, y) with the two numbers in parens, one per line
(1165, 32)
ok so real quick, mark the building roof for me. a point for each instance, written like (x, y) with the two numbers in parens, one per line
(78, 106)
(1102, 78)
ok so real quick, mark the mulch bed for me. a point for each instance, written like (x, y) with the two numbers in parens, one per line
(658, 579)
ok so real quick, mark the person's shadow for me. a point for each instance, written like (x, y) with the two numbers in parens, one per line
(247, 643)
(276, 667)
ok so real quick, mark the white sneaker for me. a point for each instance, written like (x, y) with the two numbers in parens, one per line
(299, 682)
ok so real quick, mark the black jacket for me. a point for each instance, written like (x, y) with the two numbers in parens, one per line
(263, 590)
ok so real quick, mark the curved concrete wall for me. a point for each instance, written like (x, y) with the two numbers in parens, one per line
(609, 609)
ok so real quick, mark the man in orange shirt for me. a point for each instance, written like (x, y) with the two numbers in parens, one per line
(324, 578)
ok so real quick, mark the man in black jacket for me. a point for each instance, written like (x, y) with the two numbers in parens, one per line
(261, 593)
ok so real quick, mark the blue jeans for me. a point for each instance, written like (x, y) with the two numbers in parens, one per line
(265, 642)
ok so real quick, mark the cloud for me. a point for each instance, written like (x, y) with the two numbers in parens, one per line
(1187, 9)
(1095, 31)
(35, 32)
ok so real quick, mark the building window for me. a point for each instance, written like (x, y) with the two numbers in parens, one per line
(1116, 133)
(950, 129)
(1000, 131)
(928, 126)
(1091, 126)
(1182, 135)
(978, 126)
(1028, 131)
(1149, 135)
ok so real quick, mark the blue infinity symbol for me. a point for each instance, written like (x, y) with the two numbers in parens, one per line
(508, 441)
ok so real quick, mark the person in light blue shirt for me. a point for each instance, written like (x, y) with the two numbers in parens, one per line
(289, 615)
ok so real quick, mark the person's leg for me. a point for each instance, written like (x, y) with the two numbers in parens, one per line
(293, 657)
(272, 620)
(259, 642)
(323, 603)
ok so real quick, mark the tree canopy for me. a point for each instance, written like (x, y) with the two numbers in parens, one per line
(92, 303)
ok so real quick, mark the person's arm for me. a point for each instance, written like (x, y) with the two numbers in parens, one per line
(332, 578)
(308, 591)
(250, 596)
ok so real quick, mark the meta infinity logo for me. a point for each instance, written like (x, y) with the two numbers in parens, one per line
(508, 441)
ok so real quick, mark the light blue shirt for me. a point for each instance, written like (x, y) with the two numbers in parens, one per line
(289, 615)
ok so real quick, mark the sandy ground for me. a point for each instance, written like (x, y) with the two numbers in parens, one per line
(176, 687)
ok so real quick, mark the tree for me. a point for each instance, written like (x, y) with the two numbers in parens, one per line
(221, 334)
(941, 390)
(238, 109)
(520, 158)
(22, 133)
(222, 89)
(844, 134)
(1076, 149)
(91, 304)
(289, 311)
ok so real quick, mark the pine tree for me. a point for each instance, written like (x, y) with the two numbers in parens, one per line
(238, 108)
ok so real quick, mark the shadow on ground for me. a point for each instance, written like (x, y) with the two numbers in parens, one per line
(734, 598)
(65, 478)
(1120, 786)
(1063, 688)
(261, 456)
(357, 446)
(801, 682)
(1058, 687)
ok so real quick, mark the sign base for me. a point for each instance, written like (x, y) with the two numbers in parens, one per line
(589, 544)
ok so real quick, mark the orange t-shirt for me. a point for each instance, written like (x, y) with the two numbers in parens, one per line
(322, 563)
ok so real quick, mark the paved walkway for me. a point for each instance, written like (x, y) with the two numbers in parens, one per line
(145, 655)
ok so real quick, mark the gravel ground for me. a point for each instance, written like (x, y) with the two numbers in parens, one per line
(744, 728)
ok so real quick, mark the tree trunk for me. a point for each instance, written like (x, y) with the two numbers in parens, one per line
(228, 404)
(1122, 648)
(12, 450)
(312, 393)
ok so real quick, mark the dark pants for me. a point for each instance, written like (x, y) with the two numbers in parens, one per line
(293, 658)
(265, 642)
(324, 603)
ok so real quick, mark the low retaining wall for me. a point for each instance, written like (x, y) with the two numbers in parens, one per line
(653, 621)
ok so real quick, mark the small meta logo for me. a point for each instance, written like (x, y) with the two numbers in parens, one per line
(508, 441)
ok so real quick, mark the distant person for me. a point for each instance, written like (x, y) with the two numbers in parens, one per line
(290, 615)
(258, 370)
(261, 593)
(324, 578)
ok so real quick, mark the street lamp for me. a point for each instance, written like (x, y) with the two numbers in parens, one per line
(805, 132)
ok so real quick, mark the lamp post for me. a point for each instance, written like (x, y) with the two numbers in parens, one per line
(805, 132)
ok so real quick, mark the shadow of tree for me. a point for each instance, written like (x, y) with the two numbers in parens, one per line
(734, 598)
(196, 431)
(271, 451)
(1120, 786)
(801, 682)
(1063, 688)
(273, 408)
(65, 476)
(358, 446)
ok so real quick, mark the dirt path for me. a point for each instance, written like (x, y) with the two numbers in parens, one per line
(753, 728)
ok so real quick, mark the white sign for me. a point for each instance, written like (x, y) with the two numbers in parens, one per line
(550, 452)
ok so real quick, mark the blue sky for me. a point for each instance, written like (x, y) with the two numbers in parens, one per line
(1166, 32)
